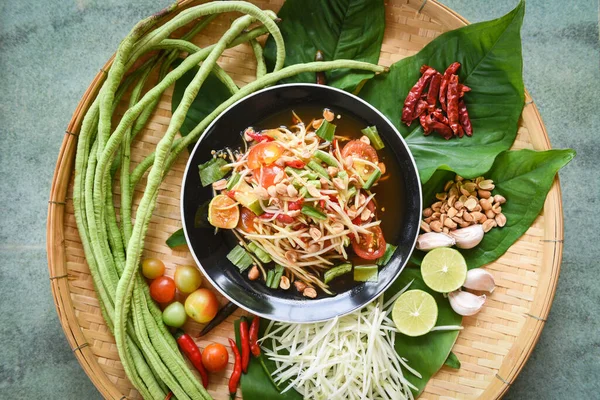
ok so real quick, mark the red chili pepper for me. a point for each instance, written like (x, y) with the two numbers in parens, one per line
(463, 116)
(192, 352)
(438, 115)
(421, 108)
(322, 203)
(257, 136)
(424, 68)
(436, 126)
(434, 89)
(234, 380)
(245, 344)
(266, 216)
(299, 164)
(462, 89)
(452, 106)
(423, 121)
(295, 205)
(254, 347)
(297, 227)
(445, 80)
(230, 194)
(408, 111)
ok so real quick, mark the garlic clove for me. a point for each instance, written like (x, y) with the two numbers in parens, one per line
(480, 279)
(465, 303)
(467, 238)
(432, 240)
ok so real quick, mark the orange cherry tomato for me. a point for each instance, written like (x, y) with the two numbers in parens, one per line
(372, 244)
(162, 289)
(267, 178)
(215, 357)
(264, 153)
(247, 218)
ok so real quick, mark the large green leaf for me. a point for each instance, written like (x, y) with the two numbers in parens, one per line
(490, 55)
(348, 29)
(212, 93)
(425, 353)
(523, 177)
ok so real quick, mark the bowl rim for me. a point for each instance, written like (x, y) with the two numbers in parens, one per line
(279, 87)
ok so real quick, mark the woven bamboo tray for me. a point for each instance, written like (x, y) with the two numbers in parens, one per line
(494, 345)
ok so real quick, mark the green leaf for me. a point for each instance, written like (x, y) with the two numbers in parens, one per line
(429, 352)
(524, 178)
(212, 93)
(256, 384)
(177, 239)
(490, 55)
(348, 29)
(452, 361)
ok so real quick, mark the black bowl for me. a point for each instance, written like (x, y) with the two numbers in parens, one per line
(402, 194)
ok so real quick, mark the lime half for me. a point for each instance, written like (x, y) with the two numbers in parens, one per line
(444, 270)
(415, 313)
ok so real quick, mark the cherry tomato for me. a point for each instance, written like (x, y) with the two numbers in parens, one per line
(152, 268)
(202, 305)
(187, 278)
(358, 149)
(215, 357)
(247, 218)
(162, 289)
(264, 153)
(174, 315)
(371, 207)
(267, 178)
(371, 246)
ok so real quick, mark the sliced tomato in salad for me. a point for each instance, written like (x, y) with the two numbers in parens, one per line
(372, 244)
(246, 222)
(267, 177)
(264, 154)
(360, 150)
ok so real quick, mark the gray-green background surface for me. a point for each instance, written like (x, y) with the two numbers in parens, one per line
(51, 50)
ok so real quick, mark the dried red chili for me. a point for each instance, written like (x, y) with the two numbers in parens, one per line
(436, 126)
(463, 116)
(253, 334)
(462, 89)
(421, 108)
(423, 120)
(451, 70)
(192, 352)
(234, 380)
(452, 106)
(408, 111)
(258, 137)
(434, 89)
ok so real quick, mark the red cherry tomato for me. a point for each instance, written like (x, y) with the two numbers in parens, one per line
(371, 207)
(247, 218)
(162, 289)
(215, 357)
(358, 149)
(264, 153)
(372, 244)
(267, 178)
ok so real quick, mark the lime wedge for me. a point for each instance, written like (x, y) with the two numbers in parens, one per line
(223, 212)
(415, 313)
(444, 270)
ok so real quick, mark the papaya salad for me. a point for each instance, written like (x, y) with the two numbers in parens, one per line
(299, 200)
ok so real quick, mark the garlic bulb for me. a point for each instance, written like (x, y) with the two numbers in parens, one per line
(465, 303)
(480, 279)
(432, 240)
(469, 237)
